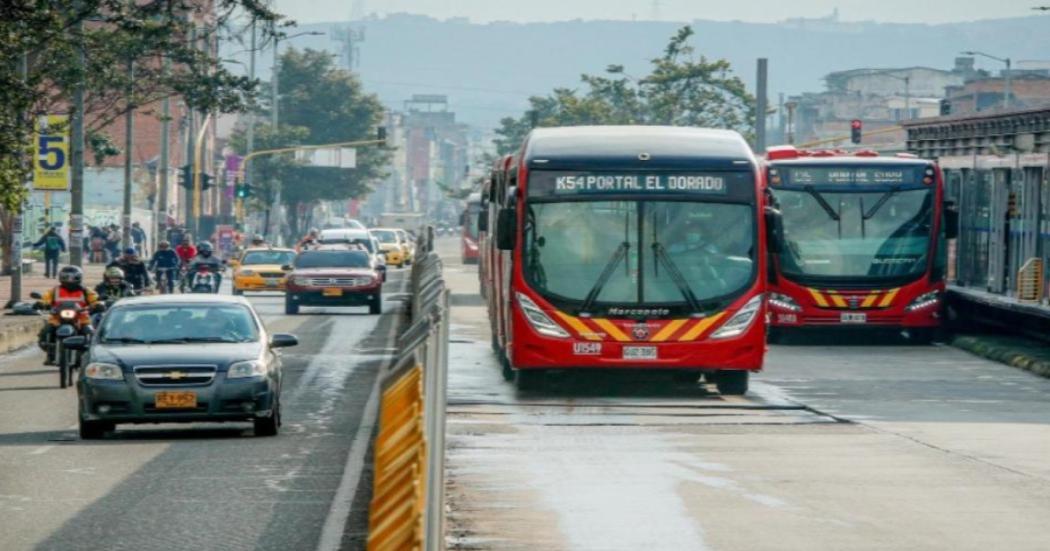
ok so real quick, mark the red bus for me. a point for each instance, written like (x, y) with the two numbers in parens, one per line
(630, 247)
(469, 230)
(860, 241)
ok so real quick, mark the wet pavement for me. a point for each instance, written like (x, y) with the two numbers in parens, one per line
(834, 447)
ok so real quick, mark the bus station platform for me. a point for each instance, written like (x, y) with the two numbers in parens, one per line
(970, 308)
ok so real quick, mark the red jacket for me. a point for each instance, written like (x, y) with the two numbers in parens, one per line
(186, 253)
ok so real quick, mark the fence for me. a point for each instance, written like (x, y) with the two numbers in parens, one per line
(407, 509)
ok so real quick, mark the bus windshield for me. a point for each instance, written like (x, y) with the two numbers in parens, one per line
(683, 255)
(881, 234)
(470, 220)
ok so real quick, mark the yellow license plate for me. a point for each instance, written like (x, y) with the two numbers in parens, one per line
(332, 292)
(175, 400)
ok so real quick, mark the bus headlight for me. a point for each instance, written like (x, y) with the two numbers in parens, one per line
(784, 302)
(539, 320)
(740, 321)
(924, 300)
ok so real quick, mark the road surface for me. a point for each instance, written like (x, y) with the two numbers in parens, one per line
(203, 486)
(835, 447)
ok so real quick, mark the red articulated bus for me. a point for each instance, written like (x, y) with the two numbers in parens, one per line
(630, 247)
(860, 241)
(469, 230)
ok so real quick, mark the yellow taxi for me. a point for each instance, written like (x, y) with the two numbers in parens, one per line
(409, 246)
(392, 246)
(261, 269)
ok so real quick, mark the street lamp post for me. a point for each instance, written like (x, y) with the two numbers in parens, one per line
(1007, 88)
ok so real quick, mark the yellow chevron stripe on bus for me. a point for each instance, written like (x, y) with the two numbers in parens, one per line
(668, 330)
(819, 298)
(580, 327)
(870, 300)
(838, 300)
(888, 299)
(612, 330)
(700, 327)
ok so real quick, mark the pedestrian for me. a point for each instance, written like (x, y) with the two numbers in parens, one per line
(98, 245)
(53, 246)
(138, 236)
(113, 238)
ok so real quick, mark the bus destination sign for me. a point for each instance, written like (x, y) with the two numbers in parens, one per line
(567, 184)
(856, 176)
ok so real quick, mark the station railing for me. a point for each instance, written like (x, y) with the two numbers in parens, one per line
(407, 508)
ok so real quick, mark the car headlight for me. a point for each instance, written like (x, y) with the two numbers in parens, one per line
(247, 273)
(103, 371)
(924, 300)
(539, 320)
(740, 321)
(242, 370)
(300, 281)
(784, 302)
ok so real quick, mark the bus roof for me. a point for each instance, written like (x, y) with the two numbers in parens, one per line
(852, 160)
(636, 147)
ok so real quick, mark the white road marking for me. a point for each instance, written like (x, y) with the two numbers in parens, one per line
(339, 513)
(41, 450)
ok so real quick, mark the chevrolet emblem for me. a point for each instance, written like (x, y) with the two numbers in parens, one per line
(176, 375)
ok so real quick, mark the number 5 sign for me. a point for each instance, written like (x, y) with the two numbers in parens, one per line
(51, 164)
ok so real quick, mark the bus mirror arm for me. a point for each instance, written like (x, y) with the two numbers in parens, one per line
(951, 220)
(506, 226)
(774, 229)
(483, 221)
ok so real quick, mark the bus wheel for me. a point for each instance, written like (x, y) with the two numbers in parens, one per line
(732, 382)
(530, 379)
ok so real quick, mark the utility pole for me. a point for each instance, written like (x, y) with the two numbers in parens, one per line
(16, 231)
(129, 144)
(762, 108)
(189, 149)
(76, 129)
(274, 92)
(165, 169)
(791, 105)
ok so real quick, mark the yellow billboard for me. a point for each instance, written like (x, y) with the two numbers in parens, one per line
(51, 163)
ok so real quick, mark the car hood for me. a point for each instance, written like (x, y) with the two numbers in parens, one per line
(219, 354)
(333, 272)
(389, 247)
(259, 267)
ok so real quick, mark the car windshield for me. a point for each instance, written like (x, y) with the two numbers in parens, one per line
(365, 242)
(639, 252)
(279, 258)
(332, 259)
(179, 323)
(881, 234)
(385, 236)
(356, 224)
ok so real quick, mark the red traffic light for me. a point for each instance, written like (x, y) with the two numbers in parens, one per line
(856, 124)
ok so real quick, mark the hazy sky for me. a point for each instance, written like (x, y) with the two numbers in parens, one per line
(910, 11)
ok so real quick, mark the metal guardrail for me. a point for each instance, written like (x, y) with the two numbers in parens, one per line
(408, 496)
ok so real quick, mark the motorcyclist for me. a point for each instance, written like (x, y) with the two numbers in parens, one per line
(135, 271)
(186, 250)
(164, 264)
(70, 289)
(258, 241)
(309, 240)
(205, 257)
(113, 286)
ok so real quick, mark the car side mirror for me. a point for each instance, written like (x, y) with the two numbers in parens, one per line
(774, 229)
(35, 295)
(506, 228)
(483, 221)
(951, 221)
(382, 272)
(78, 342)
(287, 268)
(283, 340)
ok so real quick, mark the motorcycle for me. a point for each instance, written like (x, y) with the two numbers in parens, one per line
(163, 282)
(68, 315)
(204, 280)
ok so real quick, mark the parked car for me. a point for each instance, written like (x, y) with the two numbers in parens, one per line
(334, 275)
(180, 358)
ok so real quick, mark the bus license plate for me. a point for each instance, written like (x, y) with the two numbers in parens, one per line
(639, 352)
(854, 317)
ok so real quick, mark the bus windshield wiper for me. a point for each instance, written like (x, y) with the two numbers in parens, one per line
(619, 254)
(676, 276)
(878, 204)
(822, 202)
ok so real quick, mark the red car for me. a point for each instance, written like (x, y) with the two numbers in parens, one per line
(334, 276)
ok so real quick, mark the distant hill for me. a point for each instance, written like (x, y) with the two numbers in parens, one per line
(488, 70)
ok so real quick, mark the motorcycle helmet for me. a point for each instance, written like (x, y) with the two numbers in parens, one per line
(204, 249)
(258, 240)
(70, 277)
(113, 275)
(163, 245)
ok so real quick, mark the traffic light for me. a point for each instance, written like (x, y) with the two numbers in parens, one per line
(243, 191)
(205, 180)
(381, 134)
(946, 107)
(855, 129)
(186, 176)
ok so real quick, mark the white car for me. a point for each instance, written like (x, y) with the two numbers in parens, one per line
(351, 236)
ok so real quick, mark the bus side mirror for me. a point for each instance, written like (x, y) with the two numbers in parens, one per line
(951, 221)
(506, 226)
(774, 229)
(462, 219)
(483, 221)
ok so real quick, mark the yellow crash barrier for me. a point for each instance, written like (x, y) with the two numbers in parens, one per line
(395, 516)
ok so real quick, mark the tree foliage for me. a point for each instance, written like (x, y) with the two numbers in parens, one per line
(681, 89)
(319, 104)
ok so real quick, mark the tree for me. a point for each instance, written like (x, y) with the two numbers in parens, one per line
(681, 90)
(169, 42)
(325, 104)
